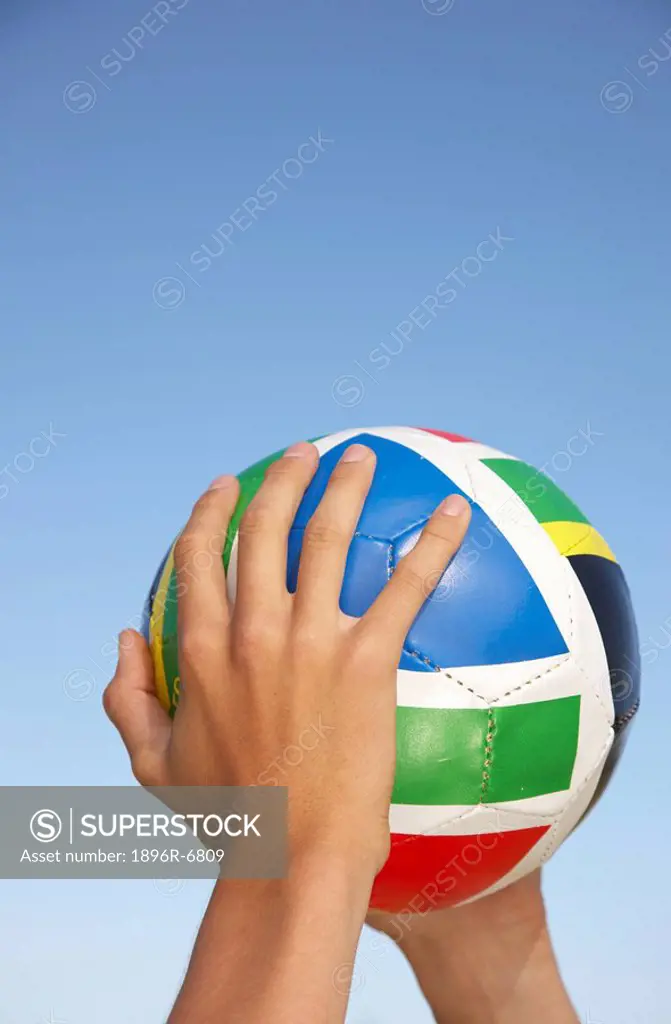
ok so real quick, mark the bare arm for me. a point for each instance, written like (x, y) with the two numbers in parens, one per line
(268, 950)
(487, 962)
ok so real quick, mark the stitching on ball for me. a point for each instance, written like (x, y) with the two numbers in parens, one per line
(421, 657)
(409, 528)
(571, 620)
(433, 831)
(621, 720)
(588, 777)
(487, 761)
(472, 483)
(378, 540)
(606, 710)
(533, 679)
(465, 686)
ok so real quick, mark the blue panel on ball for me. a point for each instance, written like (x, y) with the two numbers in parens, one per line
(366, 572)
(405, 491)
(486, 609)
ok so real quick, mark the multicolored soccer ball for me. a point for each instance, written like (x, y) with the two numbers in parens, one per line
(518, 680)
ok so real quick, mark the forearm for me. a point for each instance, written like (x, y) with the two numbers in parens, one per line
(494, 984)
(269, 950)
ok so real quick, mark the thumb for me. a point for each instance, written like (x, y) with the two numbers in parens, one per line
(132, 705)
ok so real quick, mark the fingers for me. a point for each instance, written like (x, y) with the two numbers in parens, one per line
(264, 531)
(199, 569)
(328, 535)
(419, 572)
(132, 705)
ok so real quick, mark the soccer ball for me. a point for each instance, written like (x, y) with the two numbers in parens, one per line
(518, 679)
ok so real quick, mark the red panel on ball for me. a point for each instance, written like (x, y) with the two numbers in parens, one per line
(443, 433)
(429, 872)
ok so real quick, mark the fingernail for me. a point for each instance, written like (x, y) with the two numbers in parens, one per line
(124, 642)
(356, 453)
(298, 450)
(455, 505)
(221, 482)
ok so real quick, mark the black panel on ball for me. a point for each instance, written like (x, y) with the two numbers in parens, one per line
(607, 592)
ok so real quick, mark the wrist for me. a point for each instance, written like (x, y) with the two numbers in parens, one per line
(501, 980)
(318, 863)
(317, 877)
(345, 849)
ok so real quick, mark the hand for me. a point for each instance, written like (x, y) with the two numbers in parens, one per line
(486, 962)
(255, 677)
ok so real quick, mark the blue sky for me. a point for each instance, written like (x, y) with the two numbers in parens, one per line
(150, 371)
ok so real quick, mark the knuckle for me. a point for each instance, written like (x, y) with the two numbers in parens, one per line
(197, 643)
(255, 637)
(436, 530)
(342, 472)
(188, 547)
(284, 467)
(320, 535)
(446, 535)
(145, 768)
(111, 700)
(311, 636)
(408, 579)
(347, 478)
(433, 579)
(257, 519)
(206, 502)
(368, 650)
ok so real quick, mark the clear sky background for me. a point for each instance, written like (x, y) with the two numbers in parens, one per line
(446, 125)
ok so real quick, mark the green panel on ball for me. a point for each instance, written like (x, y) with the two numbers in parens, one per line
(169, 647)
(546, 502)
(534, 749)
(488, 755)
